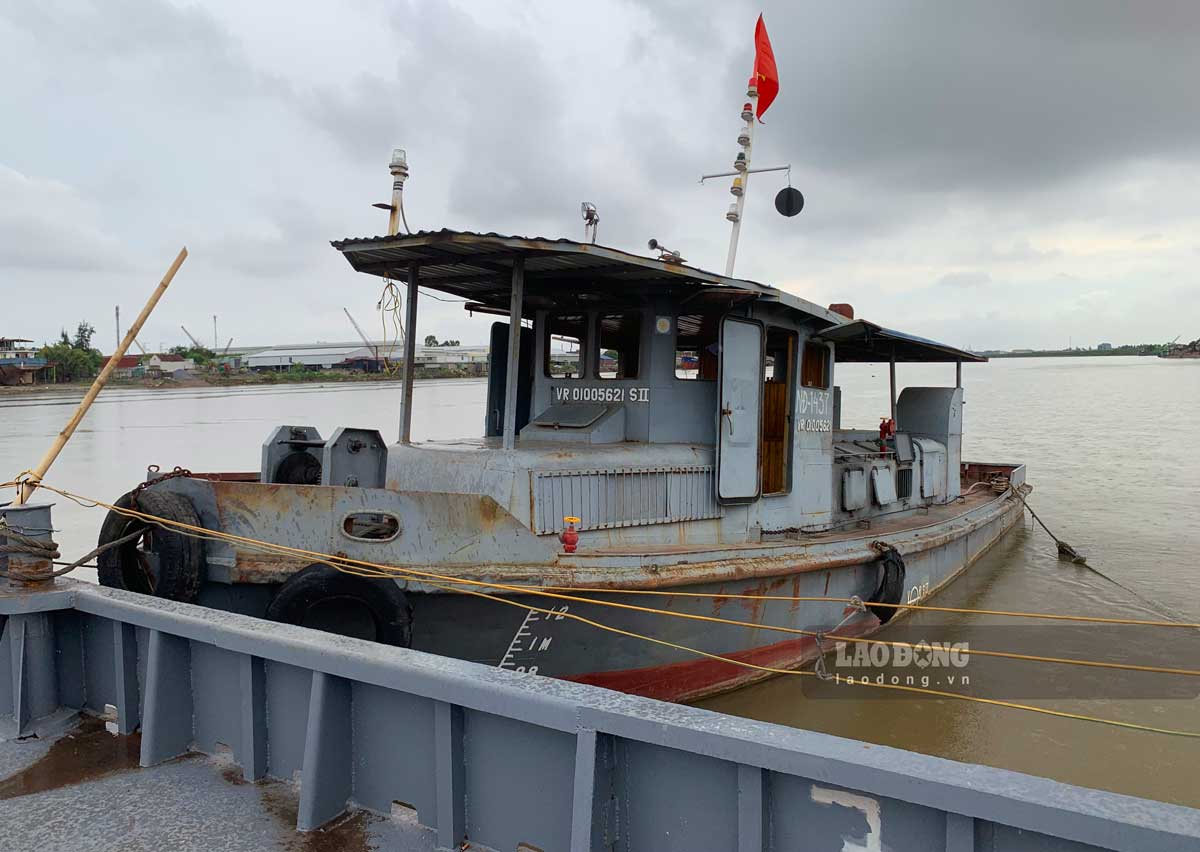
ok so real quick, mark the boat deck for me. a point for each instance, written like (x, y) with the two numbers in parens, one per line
(871, 529)
(82, 789)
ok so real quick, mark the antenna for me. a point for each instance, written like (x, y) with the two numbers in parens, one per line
(118, 310)
(215, 344)
(591, 221)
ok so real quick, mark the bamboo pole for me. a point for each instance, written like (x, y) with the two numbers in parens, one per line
(29, 485)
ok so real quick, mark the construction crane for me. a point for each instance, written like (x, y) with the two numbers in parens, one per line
(369, 344)
(195, 342)
(226, 349)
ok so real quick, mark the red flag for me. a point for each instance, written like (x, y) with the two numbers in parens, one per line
(766, 75)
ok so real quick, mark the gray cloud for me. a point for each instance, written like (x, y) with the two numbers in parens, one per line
(35, 217)
(966, 167)
(1001, 97)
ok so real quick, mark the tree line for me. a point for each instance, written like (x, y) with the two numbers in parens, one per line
(73, 357)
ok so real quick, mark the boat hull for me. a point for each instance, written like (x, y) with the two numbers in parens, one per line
(626, 647)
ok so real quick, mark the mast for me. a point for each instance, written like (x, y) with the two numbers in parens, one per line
(741, 176)
(741, 183)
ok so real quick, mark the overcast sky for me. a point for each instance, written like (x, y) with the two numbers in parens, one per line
(995, 175)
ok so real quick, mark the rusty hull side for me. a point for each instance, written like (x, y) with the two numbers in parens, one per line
(472, 537)
(455, 532)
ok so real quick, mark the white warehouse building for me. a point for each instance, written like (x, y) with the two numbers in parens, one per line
(325, 356)
(316, 356)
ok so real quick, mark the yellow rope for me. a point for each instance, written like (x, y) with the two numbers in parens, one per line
(801, 673)
(391, 571)
(218, 535)
(377, 570)
(923, 607)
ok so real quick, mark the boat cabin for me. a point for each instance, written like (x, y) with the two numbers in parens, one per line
(662, 404)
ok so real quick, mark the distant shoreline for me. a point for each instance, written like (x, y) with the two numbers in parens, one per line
(252, 380)
(1074, 353)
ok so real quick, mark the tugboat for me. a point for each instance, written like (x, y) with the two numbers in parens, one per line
(649, 426)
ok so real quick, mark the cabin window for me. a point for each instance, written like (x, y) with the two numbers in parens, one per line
(564, 345)
(696, 346)
(620, 337)
(778, 372)
(814, 372)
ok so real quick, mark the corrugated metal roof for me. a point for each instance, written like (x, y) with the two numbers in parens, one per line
(309, 352)
(863, 341)
(558, 272)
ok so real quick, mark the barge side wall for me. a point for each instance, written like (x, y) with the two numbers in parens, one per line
(504, 758)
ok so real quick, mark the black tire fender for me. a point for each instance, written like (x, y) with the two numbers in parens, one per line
(388, 607)
(180, 557)
(891, 584)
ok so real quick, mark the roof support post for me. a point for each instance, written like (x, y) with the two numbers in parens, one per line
(892, 383)
(515, 309)
(410, 353)
(958, 374)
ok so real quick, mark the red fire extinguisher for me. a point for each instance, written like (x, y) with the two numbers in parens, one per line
(887, 428)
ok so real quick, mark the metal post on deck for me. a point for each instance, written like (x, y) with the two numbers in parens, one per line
(514, 352)
(958, 373)
(410, 353)
(892, 377)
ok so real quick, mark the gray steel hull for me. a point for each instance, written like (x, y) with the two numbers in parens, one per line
(560, 645)
(632, 650)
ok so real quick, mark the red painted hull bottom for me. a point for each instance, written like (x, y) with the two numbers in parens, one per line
(691, 680)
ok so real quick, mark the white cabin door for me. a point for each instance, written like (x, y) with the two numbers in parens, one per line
(739, 393)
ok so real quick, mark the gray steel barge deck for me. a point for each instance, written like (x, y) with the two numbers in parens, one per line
(362, 745)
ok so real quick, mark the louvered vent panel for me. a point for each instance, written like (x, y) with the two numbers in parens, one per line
(623, 497)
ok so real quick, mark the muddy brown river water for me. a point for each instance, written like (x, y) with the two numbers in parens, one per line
(1112, 449)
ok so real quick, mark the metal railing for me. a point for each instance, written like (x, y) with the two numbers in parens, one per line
(22, 362)
(506, 759)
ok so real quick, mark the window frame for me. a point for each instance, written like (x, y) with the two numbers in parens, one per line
(675, 350)
(548, 342)
(597, 347)
(826, 368)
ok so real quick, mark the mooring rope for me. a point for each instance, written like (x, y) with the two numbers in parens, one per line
(16, 542)
(370, 569)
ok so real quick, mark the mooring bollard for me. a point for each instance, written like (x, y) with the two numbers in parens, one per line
(27, 549)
